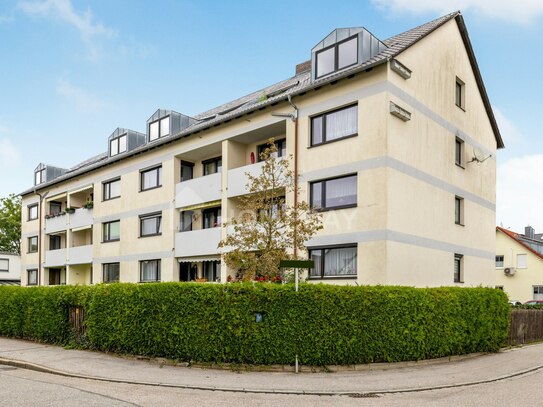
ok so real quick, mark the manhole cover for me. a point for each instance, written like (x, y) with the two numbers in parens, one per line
(363, 395)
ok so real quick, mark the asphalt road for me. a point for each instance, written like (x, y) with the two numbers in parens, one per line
(20, 387)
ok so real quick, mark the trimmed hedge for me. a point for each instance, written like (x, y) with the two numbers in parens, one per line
(323, 324)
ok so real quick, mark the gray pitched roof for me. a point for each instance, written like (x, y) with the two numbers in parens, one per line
(290, 87)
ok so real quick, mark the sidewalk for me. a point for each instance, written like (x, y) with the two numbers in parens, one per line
(95, 365)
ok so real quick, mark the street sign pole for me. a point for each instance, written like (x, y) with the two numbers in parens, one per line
(297, 265)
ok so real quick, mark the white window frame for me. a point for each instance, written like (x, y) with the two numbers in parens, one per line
(117, 143)
(522, 264)
(163, 128)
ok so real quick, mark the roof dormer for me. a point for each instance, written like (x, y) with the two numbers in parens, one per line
(167, 122)
(44, 173)
(343, 48)
(123, 140)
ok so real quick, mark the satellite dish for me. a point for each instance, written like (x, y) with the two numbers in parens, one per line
(479, 156)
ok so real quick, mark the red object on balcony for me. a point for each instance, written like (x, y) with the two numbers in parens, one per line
(252, 158)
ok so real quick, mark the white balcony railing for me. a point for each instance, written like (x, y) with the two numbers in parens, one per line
(237, 178)
(198, 190)
(197, 242)
(56, 224)
(81, 217)
(55, 258)
(80, 255)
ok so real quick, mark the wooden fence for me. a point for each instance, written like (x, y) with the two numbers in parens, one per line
(77, 319)
(526, 326)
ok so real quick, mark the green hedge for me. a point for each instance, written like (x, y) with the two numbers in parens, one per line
(323, 324)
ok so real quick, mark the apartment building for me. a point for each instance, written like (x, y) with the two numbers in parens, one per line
(393, 140)
(10, 268)
(519, 264)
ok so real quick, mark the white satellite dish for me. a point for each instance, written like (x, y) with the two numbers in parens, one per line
(479, 156)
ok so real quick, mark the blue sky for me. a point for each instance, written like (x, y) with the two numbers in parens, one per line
(74, 70)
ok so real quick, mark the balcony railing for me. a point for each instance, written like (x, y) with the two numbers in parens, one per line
(81, 217)
(237, 178)
(55, 258)
(80, 255)
(198, 190)
(56, 223)
(197, 242)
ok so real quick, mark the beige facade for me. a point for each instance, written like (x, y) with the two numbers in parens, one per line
(519, 264)
(400, 227)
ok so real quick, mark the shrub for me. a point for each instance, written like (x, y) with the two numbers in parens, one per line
(39, 313)
(322, 324)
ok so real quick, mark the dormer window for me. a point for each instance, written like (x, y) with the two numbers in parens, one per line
(343, 48)
(39, 176)
(337, 57)
(159, 128)
(117, 145)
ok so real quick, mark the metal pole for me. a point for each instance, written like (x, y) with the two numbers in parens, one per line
(296, 285)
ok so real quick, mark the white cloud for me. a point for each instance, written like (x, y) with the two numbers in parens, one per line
(519, 11)
(520, 193)
(6, 19)
(64, 11)
(9, 154)
(78, 96)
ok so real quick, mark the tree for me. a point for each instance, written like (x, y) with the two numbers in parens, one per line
(10, 224)
(267, 229)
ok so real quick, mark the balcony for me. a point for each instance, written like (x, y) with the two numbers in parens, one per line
(237, 178)
(80, 255)
(198, 190)
(80, 218)
(197, 242)
(55, 258)
(56, 224)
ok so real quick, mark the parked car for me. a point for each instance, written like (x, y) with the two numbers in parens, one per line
(534, 302)
(515, 302)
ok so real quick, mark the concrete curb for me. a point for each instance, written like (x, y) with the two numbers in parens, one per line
(44, 369)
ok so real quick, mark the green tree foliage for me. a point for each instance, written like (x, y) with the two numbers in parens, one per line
(268, 228)
(10, 224)
(215, 323)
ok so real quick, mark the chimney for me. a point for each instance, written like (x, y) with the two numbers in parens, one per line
(303, 67)
(529, 232)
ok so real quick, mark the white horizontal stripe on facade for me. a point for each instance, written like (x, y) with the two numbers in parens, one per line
(399, 237)
(133, 257)
(386, 86)
(399, 93)
(389, 162)
(134, 212)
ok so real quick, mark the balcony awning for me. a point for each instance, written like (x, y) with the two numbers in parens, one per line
(81, 228)
(201, 206)
(198, 259)
(86, 188)
(55, 197)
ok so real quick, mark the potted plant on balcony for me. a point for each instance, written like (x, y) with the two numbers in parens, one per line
(69, 209)
(89, 205)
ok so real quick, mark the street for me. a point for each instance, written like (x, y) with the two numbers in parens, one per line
(20, 387)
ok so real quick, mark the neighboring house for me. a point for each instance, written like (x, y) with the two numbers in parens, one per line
(393, 140)
(10, 269)
(519, 264)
